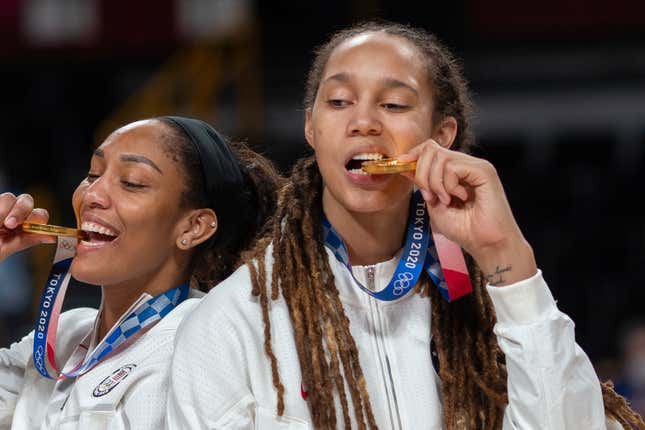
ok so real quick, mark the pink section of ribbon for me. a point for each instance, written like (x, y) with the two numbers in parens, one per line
(52, 331)
(453, 266)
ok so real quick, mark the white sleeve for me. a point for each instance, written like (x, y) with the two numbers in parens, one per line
(13, 361)
(209, 374)
(551, 382)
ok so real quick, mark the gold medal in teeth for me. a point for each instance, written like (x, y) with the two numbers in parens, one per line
(51, 230)
(387, 166)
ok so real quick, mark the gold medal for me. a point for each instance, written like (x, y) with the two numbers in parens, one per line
(388, 166)
(52, 230)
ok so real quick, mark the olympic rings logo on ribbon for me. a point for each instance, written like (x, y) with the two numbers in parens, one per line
(413, 256)
(420, 253)
(38, 357)
(66, 244)
(402, 283)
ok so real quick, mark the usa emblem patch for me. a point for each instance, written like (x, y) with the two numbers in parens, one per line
(106, 385)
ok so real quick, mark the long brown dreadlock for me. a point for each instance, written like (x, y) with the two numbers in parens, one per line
(471, 364)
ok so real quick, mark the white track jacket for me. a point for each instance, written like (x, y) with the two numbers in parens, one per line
(221, 377)
(127, 390)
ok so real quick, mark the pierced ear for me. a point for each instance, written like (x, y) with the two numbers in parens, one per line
(446, 132)
(309, 131)
(199, 226)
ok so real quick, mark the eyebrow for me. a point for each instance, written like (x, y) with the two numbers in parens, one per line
(131, 158)
(388, 82)
(340, 77)
(395, 83)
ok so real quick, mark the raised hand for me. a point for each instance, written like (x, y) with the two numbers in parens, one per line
(467, 204)
(13, 212)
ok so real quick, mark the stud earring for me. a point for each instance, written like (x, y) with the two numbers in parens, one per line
(213, 224)
(184, 241)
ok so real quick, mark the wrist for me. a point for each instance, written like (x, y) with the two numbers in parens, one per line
(506, 263)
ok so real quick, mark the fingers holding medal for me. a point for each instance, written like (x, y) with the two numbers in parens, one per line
(465, 197)
(442, 174)
(14, 211)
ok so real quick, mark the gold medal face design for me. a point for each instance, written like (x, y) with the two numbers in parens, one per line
(51, 230)
(387, 166)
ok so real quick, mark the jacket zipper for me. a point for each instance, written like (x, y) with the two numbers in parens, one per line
(384, 361)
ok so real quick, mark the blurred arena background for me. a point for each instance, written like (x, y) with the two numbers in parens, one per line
(559, 86)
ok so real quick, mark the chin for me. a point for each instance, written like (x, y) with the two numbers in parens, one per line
(88, 275)
(370, 202)
(364, 201)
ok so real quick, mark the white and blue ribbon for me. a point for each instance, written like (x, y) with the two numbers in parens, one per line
(419, 253)
(143, 315)
(146, 314)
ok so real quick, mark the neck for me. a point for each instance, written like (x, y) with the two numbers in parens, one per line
(370, 238)
(117, 298)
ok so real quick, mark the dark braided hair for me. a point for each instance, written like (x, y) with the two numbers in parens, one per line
(257, 202)
(471, 363)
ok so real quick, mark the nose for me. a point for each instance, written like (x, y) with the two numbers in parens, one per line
(364, 122)
(96, 195)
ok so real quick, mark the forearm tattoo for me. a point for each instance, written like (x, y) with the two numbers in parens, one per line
(496, 277)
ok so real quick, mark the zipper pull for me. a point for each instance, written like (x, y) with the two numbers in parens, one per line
(370, 277)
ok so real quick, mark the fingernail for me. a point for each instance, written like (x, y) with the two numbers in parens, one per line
(426, 195)
(11, 222)
(444, 199)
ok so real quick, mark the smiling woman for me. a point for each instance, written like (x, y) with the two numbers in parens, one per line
(166, 201)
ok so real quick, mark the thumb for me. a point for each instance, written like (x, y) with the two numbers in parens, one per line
(38, 216)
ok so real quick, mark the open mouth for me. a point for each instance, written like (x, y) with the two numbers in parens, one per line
(354, 165)
(97, 235)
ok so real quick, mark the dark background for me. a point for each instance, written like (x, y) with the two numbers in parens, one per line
(559, 85)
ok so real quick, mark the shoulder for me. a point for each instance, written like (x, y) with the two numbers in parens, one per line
(233, 296)
(156, 345)
(171, 321)
(224, 302)
(229, 316)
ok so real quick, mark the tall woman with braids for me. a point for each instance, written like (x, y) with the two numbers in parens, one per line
(292, 341)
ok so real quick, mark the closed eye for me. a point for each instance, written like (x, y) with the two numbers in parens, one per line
(395, 107)
(338, 103)
(132, 185)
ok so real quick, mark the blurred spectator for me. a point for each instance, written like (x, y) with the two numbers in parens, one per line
(632, 380)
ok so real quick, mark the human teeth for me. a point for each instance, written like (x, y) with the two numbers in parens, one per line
(96, 228)
(86, 243)
(358, 172)
(368, 156)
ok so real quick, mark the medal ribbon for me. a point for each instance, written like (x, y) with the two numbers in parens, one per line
(441, 258)
(143, 315)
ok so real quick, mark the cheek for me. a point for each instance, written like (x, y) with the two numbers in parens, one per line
(77, 199)
(155, 224)
(408, 134)
(329, 137)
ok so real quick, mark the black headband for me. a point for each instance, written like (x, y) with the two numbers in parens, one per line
(222, 175)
